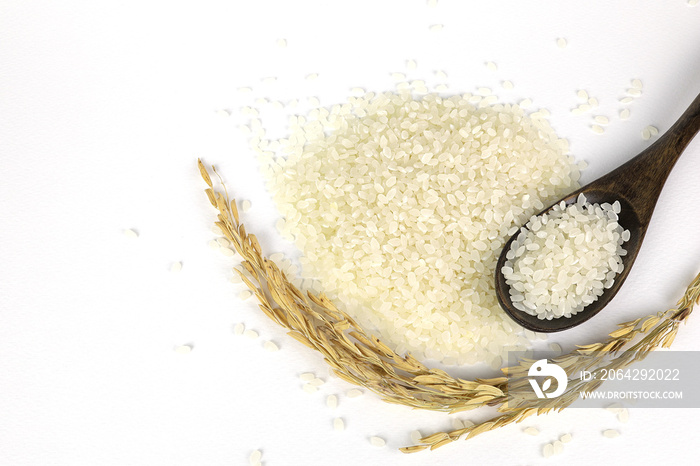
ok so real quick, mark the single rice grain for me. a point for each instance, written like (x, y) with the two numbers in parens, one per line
(624, 415)
(183, 349)
(557, 447)
(332, 401)
(255, 457)
(271, 346)
(548, 450)
(416, 435)
(308, 388)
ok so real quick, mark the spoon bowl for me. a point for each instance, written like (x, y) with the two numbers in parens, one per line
(636, 185)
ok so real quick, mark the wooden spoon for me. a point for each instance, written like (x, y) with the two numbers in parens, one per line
(637, 185)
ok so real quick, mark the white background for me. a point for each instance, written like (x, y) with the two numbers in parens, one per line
(104, 108)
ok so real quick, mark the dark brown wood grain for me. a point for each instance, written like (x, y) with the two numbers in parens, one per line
(637, 185)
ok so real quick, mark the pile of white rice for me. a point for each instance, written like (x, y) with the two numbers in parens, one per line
(401, 205)
(563, 261)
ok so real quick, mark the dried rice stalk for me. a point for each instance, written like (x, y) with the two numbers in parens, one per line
(363, 359)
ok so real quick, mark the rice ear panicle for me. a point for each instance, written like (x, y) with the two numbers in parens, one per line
(362, 359)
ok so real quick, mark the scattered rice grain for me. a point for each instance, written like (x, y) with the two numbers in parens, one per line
(531, 431)
(332, 401)
(338, 424)
(252, 334)
(614, 408)
(557, 447)
(353, 393)
(227, 251)
(377, 441)
(255, 457)
(176, 267)
(239, 328)
(624, 415)
(271, 346)
(308, 388)
(548, 450)
(130, 233)
(277, 257)
(611, 433)
(183, 349)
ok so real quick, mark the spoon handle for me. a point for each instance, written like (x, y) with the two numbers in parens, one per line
(683, 130)
(640, 180)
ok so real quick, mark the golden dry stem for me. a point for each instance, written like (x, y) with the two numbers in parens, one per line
(362, 359)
